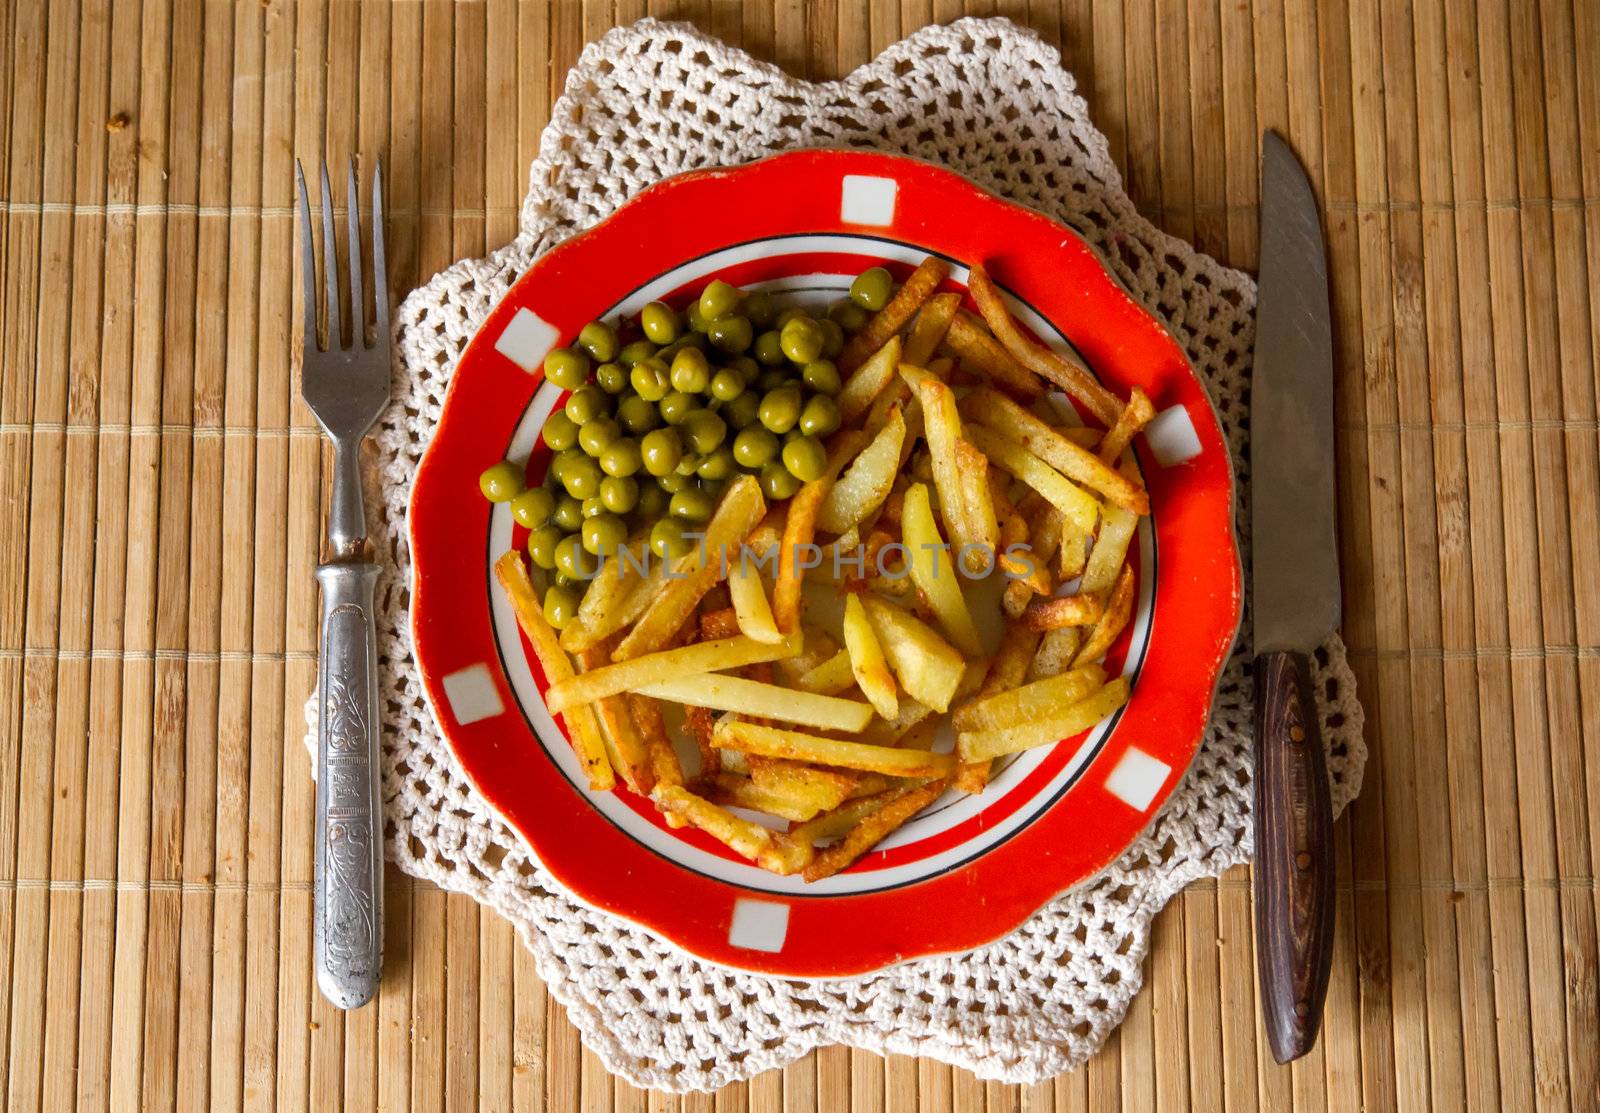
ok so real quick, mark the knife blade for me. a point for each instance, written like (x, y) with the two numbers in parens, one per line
(1294, 587)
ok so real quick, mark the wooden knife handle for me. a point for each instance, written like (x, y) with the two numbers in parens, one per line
(1294, 855)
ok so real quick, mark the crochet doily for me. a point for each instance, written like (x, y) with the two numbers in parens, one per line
(990, 100)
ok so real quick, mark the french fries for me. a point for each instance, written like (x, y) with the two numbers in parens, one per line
(604, 606)
(624, 745)
(1039, 700)
(928, 667)
(867, 662)
(733, 791)
(868, 381)
(963, 494)
(772, 742)
(819, 788)
(667, 664)
(968, 339)
(1063, 610)
(871, 830)
(892, 318)
(1077, 506)
(1119, 609)
(1056, 650)
(834, 824)
(933, 571)
(1110, 550)
(1134, 417)
(763, 701)
(750, 607)
(653, 730)
(768, 849)
(864, 485)
(799, 529)
(981, 745)
(833, 676)
(933, 321)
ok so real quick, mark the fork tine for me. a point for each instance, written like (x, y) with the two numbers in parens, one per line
(380, 268)
(308, 260)
(330, 263)
(358, 303)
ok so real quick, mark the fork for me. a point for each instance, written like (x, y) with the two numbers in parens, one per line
(347, 387)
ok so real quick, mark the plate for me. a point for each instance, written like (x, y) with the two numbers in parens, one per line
(970, 869)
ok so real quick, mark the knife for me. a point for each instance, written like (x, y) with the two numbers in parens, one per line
(1294, 590)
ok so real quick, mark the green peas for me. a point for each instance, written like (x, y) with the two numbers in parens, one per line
(660, 322)
(754, 446)
(560, 606)
(587, 403)
(718, 465)
(780, 409)
(591, 507)
(542, 544)
(718, 299)
(636, 351)
(805, 458)
(603, 533)
(749, 370)
(594, 437)
(820, 417)
(612, 377)
(691, 505)
(769, 348)
(667, 539)
(566, 368)
(500, 482)
(848, 315)
(619, 494)
(621, 458)
(652, 500)
(731, 334)
(581, 478)
(561, 579)
(872, 289)
(662, 450)
(697, 320)
(802, 340)
(713, 488)
(651, 379)
(691, 371)
(778, 482)
(704, 430)
(560, 431)
(742, 410)
(759, 308)
(772, 379)
(533, 507)
(687, 466)
(676, 406)
(822, 376)
(673, 481)
(793, 313)
(572, 560)
(832, 338)
(599, 340)
(726, 385)
(637, 415)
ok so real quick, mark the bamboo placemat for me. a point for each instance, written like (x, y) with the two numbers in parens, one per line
(159, 488)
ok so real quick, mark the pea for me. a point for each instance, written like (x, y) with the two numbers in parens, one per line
(672, 482)
(731, 334)
(758, 306)
(582, 479)
(636, 351)
(769, 348)
(676, 406)
(652, 500)
(594, 437)
(603, 533)
(802, 340)
(806, 458)
(533, 507)
(687, 466)
(612, 377)
(704, 430)
(848, 315)
(572, 560)
(696, 319)
(599, 340)
(561, 579)
(691, 371)
(719, 465)
(651, 379)
(592, 506)
(872, 289)
(713, 489)
(667, 539)
(832, 338)
(742, 410)
(500, 482)
(819, 418)
(777, 482)
(637, 415)
(822, 376)
(780, 409)
(772, 379)
(793, 313)
(587, 403)
(662, 450)
(621, 458)
(754, 446)
(660, 322)
(542, 544)
(566, 368)
(749, 370)
(560, 431)
(726, 385)
(619, 494)
(718, 299)
(691, 505)
(561, 461)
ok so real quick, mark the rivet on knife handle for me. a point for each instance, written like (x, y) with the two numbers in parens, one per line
(1294, 855)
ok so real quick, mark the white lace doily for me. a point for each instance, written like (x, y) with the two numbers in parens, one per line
(991, 101)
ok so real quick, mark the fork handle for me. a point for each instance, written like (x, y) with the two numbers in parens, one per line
(348, 913)
(347, 517)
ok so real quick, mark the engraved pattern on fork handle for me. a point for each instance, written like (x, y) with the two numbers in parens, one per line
(348, 929)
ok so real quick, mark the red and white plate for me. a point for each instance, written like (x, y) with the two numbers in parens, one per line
(971, 868)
